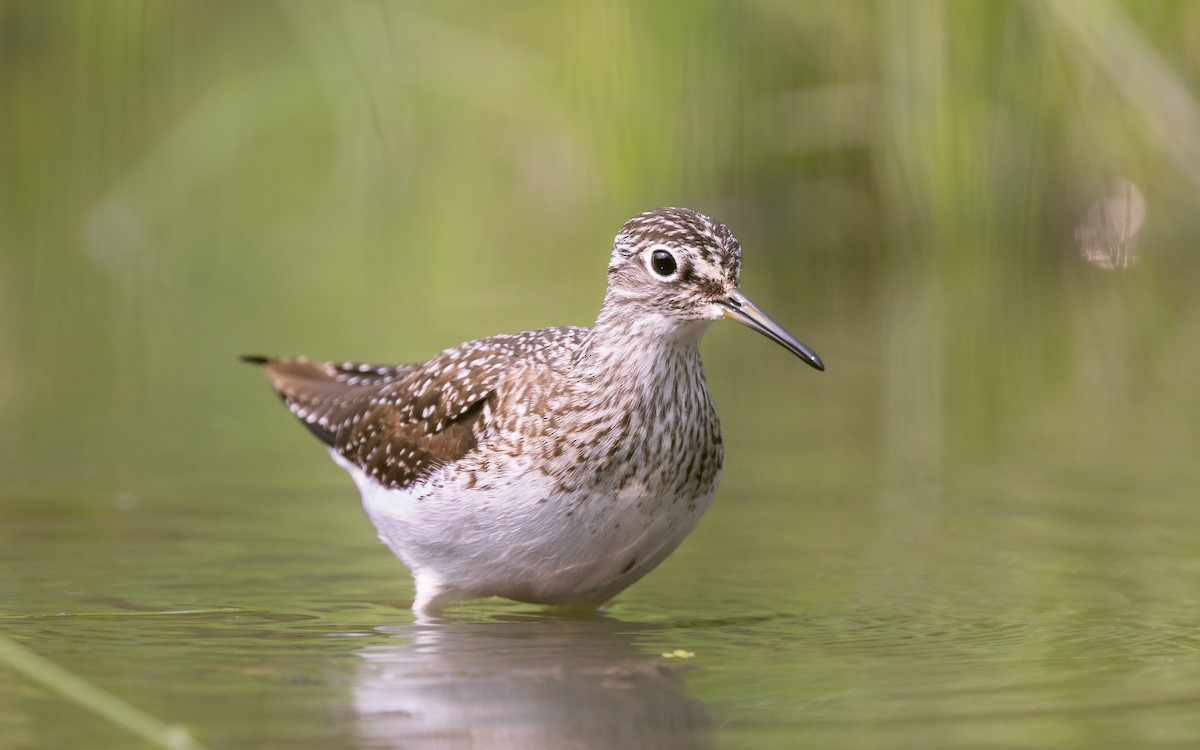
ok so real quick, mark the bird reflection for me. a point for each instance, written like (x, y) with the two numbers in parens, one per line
(523, 683)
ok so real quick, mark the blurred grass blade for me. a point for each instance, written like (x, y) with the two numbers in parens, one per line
(123, 615)
(1114, 43)
(86, 695)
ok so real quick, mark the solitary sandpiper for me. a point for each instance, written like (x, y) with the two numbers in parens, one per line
(553, 466)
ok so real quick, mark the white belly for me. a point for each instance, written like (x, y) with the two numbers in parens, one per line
(521, 540)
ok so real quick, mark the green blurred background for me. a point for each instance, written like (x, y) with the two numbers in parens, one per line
(984, 216)
(184, 181)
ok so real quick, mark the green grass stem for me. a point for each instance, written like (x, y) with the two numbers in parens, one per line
(86, 695)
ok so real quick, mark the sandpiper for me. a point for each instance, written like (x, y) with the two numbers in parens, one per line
(552, 466)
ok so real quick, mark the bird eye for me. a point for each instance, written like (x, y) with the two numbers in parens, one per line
(662, 262)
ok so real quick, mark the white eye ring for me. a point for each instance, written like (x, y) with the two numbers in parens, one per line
(661, 262)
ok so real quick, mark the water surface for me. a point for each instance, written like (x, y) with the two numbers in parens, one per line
(1039, 616)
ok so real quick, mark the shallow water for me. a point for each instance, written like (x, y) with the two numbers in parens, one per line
(1039, 615)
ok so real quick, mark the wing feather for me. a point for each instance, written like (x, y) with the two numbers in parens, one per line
(400, 422)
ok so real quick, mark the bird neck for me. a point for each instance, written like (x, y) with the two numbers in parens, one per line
(641, 349)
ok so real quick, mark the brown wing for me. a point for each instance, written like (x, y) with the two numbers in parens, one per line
(398, 423)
